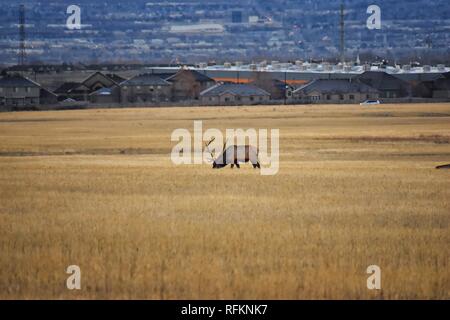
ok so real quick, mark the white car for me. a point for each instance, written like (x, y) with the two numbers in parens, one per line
(370, 102)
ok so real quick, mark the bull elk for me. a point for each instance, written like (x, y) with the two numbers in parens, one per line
(234, 155)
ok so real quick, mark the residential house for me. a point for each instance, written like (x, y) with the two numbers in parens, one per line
(234, 94)
(74, 91)
(441, 87)
(334, 91)
(188, 84)
(145, 88)
(388, 85)
(278, 89)
(81, 91)
(19, 92)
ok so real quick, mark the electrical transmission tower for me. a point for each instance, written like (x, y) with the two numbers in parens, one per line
(22, 52)
(342, 34)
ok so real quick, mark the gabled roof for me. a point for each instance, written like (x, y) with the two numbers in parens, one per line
(69, 87)
(116, 78)
(381, 80)
(199, 77)
(17, 81)
(166, 75)
(101, 74)
(235, 89)
(335, 86)
(146, 79)
(66, 87)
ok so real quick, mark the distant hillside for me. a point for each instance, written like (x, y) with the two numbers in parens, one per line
(144, 30)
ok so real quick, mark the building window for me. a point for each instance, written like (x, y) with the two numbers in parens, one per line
(252, 98)
(28, 89)
(328, 97)
(125, 88)
(16, 89)
(352, 97)
(341, 97)
(158, 87)
(138, 87)
(1, 89)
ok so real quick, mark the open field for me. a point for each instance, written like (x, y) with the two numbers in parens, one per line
(96, 188)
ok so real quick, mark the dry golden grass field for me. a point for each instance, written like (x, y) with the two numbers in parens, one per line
(96, 188)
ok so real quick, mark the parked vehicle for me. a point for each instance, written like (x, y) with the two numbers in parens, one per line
(370, 102)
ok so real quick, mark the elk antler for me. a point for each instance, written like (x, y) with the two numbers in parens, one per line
(210, 141)
(207, 148)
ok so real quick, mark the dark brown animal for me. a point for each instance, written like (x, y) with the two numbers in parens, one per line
(234, 155)
(446, 166)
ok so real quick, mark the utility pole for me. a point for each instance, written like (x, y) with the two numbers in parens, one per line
(22, 52)
(342, 34)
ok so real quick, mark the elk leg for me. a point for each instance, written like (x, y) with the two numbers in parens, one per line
(237, 165)
(232, 165)
(257, 165)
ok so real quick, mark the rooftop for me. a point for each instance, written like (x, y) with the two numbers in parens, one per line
(146, 79)
(236, 89)
(17, 81)
(200, 77)
(335, 86)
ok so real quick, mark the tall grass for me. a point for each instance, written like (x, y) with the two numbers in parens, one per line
(356, 187)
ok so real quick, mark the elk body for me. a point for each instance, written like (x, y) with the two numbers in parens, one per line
(234, 155)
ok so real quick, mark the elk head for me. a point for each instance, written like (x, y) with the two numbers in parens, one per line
(216, 165)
